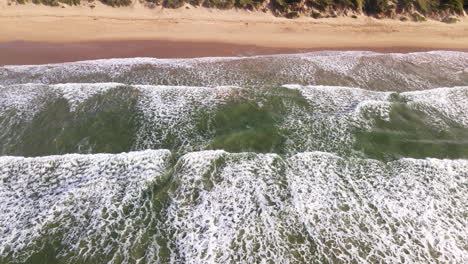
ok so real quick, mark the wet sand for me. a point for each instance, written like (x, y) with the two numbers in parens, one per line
(23, 53)
(20, 52)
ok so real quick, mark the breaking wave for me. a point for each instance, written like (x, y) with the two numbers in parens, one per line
(326, 157)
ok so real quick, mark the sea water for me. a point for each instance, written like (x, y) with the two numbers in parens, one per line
(325, 157)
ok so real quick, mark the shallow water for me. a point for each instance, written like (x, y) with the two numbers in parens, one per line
(326, 157)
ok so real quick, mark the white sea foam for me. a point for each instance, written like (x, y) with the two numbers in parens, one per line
(215, 206)
(452, 102)
(25, 100)
(317, 207)
(77, 93)
(169, 111)
(243, 208)
(84, 201)
(367, 211)
(338, 111)
(375, 71)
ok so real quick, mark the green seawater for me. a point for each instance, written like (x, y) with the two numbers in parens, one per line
(411, 133)
(327, 157)
(251, 121)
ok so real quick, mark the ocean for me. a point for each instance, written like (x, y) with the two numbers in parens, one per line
(322, 157)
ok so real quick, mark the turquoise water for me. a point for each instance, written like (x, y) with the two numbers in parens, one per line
(327, 157)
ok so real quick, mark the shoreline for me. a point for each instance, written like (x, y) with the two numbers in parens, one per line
(37, 34)
(35, 53)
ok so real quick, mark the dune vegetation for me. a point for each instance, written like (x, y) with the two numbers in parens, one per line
(415, 10)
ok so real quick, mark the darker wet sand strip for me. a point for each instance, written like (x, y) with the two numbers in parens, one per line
(24, 53)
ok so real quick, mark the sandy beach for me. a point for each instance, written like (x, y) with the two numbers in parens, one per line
(40, 34)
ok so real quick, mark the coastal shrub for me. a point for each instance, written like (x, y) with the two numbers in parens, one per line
(376, 6)
(51, 2)
(292, 15)
(343, 4)
(418, 17)
(249, 4)
(117, 2)
(316, 15)
(287, 5)
(427, 6)
(405, 4)
(453, 5)
(352, 4)
(358, 4)
(450, 20)
(195, 2)
(46, 2)
(319, 4)
(221, 4)
(173, 3)
(423, 6)
(70, 2)
(157, 2)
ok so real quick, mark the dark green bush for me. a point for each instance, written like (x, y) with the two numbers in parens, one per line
(195, 2)
(324, 4)
(376, 6)
(319, 4)
(286, 5)
(316, 15)
(173, 3)
(117, 2)
(404, 4)
(51, 2)
(249, 4)
(292, 15)
(158, 2)
(453, 5)
(221, 4)
(345, 4)
(358, 4)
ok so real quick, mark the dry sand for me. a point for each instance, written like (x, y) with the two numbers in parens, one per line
(247, 30)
